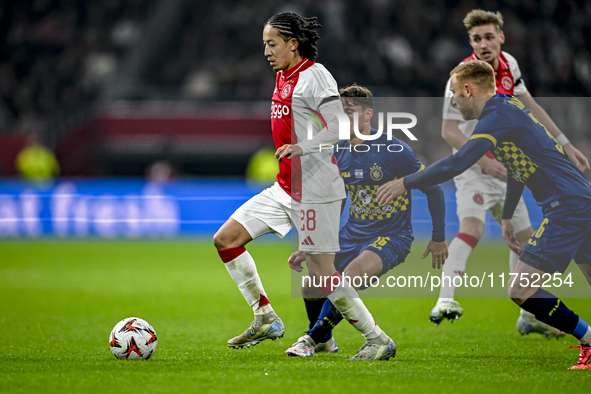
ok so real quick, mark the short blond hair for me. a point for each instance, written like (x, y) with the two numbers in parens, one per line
(477, 71)
(481, 17)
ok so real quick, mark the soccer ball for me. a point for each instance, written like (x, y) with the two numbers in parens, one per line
(133, 339)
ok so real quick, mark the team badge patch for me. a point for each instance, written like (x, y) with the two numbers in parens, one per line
(478, 199)
(507, 82)
(376, 172)
(286, 91)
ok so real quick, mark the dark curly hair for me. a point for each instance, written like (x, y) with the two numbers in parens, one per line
(292, 25)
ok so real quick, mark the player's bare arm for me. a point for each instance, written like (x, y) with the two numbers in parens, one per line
(454, 137)
(390, 190)
(509, 236)
(289, 151)
(438, 252)
(296, 259)
(573, 153)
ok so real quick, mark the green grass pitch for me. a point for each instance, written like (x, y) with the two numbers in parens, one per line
(59, 301)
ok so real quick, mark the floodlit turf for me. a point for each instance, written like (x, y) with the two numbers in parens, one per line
(60, 300)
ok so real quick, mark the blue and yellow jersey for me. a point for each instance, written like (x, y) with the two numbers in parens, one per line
(364, 172)
(529, 152)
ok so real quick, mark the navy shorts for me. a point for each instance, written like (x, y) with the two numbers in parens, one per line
(563, 235)
(392, 248)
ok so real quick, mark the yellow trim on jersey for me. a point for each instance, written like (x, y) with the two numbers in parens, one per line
(487, 136)
(422, 167)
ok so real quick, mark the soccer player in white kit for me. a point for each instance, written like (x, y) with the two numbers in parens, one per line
(308, 192)
(483, 186)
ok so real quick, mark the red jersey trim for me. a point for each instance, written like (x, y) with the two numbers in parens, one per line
(504, 79)
(298, 68)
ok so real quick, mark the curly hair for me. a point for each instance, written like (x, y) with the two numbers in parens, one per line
(292, 25)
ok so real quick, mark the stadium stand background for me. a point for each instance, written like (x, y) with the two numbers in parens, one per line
(114, 85)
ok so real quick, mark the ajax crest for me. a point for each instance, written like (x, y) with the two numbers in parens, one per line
(286, 91)
(507, 82)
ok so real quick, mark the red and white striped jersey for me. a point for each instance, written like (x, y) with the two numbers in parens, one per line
(300, 94)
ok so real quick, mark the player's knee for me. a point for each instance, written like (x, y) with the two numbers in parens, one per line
(472, 227)
(310, 292)
(476, 233)
(222, 240)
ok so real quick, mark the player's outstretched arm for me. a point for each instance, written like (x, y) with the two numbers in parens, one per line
(573, 153)
(514, 192)
(441, 171)
(454, 137)
(437, 246)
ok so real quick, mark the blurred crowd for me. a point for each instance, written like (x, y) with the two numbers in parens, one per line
(404, 48)
(56, 55)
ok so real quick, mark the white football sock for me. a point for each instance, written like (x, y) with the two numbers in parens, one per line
(586, 340)
(455, 265)
(347, 301)
(244, 272)
(513, 259)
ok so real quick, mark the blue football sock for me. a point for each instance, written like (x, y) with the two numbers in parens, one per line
(581, 329)
(328, 319)
(313, 309)
(552, 311)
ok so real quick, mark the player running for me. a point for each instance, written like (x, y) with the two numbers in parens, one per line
(534, 158)
(376, 238)
(308, 191)
(482, 187)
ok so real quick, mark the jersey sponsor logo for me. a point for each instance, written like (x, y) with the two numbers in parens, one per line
(364, 205)
(478, 199)
(346, 174)
(279, 110)
(286, 91)
(364, 197)
(507, 82)
(375, 172)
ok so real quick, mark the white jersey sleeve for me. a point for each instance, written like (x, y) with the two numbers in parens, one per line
(316, 92)
(318, 89)
(519, 84)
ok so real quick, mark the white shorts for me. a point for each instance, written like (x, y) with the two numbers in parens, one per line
(273, 211)
(476, 194)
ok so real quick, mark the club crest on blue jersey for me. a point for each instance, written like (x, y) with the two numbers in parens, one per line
(375, 172)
